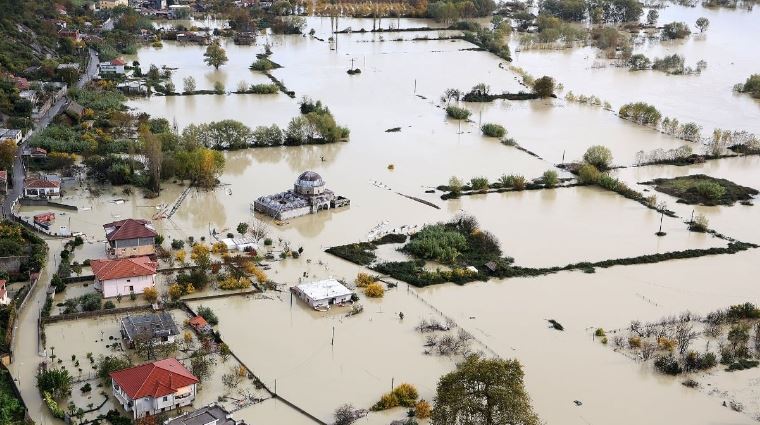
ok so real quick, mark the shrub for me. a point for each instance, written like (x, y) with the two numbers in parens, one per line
(436, 242)
(209, 315)
(675, 30)
(364, 279)
(479, 183)
(267, 242)
(588, 174)
(387, 401)
(407, 394)
(177, 244)
(493, 130)
(710, 190)
(422, 409)
(263, 64)
(641, 113)
(599, 156)
(108, 305)
(86, 388)
(599, 332)
(457, 112)
(374, 290)
(544, 86)
(151, 295)
(455, 185)
(667, 365)
(700, 224)
(263, 89)
(634, 342)
(608, 182)
(550, 178)
(176, 291)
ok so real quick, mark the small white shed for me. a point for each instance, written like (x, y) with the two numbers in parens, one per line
(321, 294)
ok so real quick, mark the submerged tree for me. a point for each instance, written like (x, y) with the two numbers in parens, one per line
(483, 391)
(702, 24)
(215, 55)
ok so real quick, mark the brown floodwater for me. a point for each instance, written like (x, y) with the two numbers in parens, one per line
(292, 344)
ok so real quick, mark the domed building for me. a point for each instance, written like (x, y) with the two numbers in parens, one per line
(308, 196)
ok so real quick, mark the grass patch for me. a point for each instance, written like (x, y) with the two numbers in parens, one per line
(362, 253)
(702, 189)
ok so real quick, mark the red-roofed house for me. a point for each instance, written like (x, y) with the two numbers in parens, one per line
(124, 276)
(200, 324)
(4, 300)
(130, 238)
(152, 388)
(35, 187)
(115, 66)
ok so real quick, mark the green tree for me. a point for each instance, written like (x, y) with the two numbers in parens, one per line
(242, 228)
(215, 55)
(544, 86)
(702, 24)
(599, 156)
(57, 382)
(652, 16)
(483, 391)
(550, 178)
(455, 185)
(675, 30)
(188, 84)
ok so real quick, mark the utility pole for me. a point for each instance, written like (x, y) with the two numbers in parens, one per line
(332, 342)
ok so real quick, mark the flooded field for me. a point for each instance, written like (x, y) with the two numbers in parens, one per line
(725, 47)
(321, 360)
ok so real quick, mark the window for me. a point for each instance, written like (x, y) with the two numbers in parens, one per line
(166, 398)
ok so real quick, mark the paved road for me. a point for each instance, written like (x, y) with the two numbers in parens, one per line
(18, 169)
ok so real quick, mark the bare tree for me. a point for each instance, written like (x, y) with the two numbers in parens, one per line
(647, 349)
(684, 336)
(258, 229)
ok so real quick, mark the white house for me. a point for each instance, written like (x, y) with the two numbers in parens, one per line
(152, 388)
(4, 300)
(240, 244)
(115, 66)
(36, 187)
(11, 134)
(123, 276)
(321, 294)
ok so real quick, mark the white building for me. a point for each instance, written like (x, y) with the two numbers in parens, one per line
(322, 294)
(11, 134)
(308, 196)
(4, 299)
(115, 66)
(239, 244)
(41, 188)
(152, 388)
(124, 276)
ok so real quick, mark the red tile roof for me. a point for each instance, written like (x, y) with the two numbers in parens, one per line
(155, 379)
(129, 229)
(198, 322)
(118, 62)
(3, 175)
(122, 268)
(35, 183)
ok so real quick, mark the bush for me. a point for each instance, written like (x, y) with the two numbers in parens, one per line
(675, 30)
(588, 174)
(209, 315)
(363, 280)
(641, 113)
(263, 89)
(108, 305)
(667, 365)
(374, 290)
(151, 295)
(479, 183)
(493, 130)
(608, 182)
(422, 409)
(634, 342)
(86, 388)
(550, 178)
(710, 190)
(263, 64)
(599, 332)
(599, 156)
(751, 86)
(457, 112)
(544, 86)
(438, 243)
(407, 394)
(178, 244)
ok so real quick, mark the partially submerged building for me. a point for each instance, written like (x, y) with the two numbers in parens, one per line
(129, 238)
(153, 388)
(158, 328)
(308, 196)
(322, 294)
(41, 188)
(212, 414)
(124, 276)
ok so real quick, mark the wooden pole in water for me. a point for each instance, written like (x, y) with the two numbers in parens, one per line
(392, 384)
(332, 342)
(275, 387)
(415, 86)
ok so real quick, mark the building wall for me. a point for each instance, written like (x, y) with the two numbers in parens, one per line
(35, 193)
(130, 251)
(114, 287)
(148, 405)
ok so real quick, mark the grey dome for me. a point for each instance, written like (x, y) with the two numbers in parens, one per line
(310, 179)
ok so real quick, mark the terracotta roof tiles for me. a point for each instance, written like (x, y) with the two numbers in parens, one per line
(155, 379)
(129, 228)
(126, 267)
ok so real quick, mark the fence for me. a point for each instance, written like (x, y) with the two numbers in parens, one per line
(263, 385)
(96, 313)
(450, 320)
